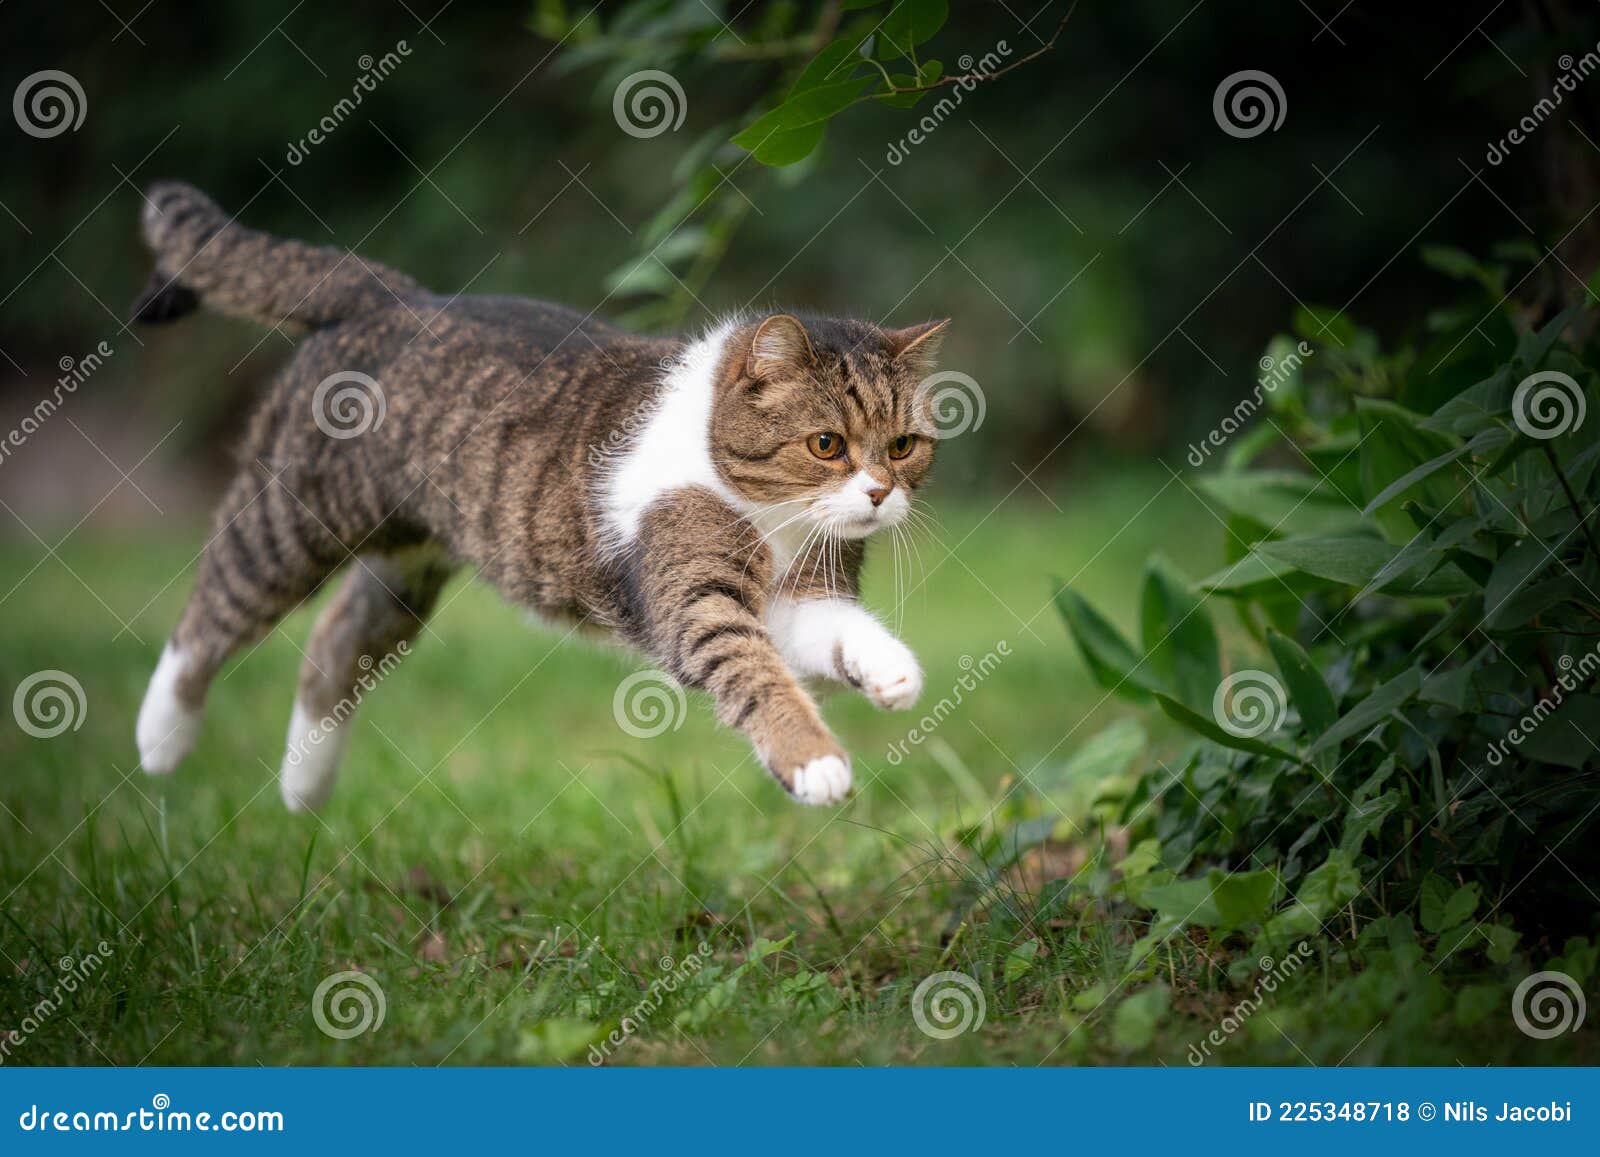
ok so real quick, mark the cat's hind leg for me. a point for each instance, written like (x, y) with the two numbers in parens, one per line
(363, 632)
(267, 555)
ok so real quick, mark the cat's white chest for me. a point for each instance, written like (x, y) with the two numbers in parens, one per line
(785, 542)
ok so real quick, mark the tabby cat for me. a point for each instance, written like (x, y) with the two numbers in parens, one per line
(704, 499)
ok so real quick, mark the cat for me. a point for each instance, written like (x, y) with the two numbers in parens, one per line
(705, 499)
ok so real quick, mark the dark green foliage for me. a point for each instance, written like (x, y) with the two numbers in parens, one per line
(1419, 756)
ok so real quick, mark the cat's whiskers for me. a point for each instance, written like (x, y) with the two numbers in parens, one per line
(822, 553)
(899, 599)
(752, 517)
(836, 566)
(791, 577)
(764, 538)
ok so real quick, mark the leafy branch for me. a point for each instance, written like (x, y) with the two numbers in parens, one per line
(851, 53)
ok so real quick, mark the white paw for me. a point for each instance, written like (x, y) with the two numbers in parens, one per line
(167, 729)
(311, 761)
(884, 670)
(822, 781)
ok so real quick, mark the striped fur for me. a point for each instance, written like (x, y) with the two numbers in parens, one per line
(638, 485)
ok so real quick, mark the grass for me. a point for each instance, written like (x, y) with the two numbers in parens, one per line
(514, 871)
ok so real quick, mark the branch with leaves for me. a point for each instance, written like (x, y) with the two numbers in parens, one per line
(850, 52)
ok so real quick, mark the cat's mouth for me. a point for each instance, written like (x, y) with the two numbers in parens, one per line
(858, 525)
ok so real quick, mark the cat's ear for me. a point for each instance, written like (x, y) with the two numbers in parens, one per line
(917, 345)
(780, 348)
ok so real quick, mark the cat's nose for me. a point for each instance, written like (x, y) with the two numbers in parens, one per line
(878, 494)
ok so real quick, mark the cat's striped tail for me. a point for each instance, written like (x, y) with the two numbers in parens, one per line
(203, 256)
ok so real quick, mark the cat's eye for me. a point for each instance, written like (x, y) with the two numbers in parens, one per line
(826, 445)
(902, 445)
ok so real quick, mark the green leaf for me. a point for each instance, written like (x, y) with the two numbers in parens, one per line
(1534, 348)
(1091, 998)
(1104, 757)
(1476, 407)
(1535, 600)
(1179, 640)
(1365, 819)
(780, 133)
(1476, 1003)
(910, 23)
(832, 65)
(1452, 262)
(1566, 734)
(1320, 323)
(1245, 898)
(1448, 688)
(1208, 726)
(789, 146)
(1224, 901)
(1283, 502)
(1181, 902)
(1330, 887)
(763, 948)
(1326, 889)
(1442, 907)
(1108, 655)
(1307, 688)
(1484, 442)
(1514, 571)
(1375, 707)
(1134, 1024)
(1020, 960)
(1352, 561)
(551, 1042)
(1252, 571)
(1380, 776)
(1357, 562)
(931, 71)
(1392, 444)
(1502, 942)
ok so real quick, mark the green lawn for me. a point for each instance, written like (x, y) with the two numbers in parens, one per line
(511, 868)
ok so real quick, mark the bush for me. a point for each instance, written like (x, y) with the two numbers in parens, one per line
(1411, 747)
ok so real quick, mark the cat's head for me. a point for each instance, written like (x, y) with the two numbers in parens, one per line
(827, 417)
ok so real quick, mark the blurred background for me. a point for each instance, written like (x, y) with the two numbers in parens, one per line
(1114, 261)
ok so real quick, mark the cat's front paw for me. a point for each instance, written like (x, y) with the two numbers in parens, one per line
(822, 781)
(883, 669)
